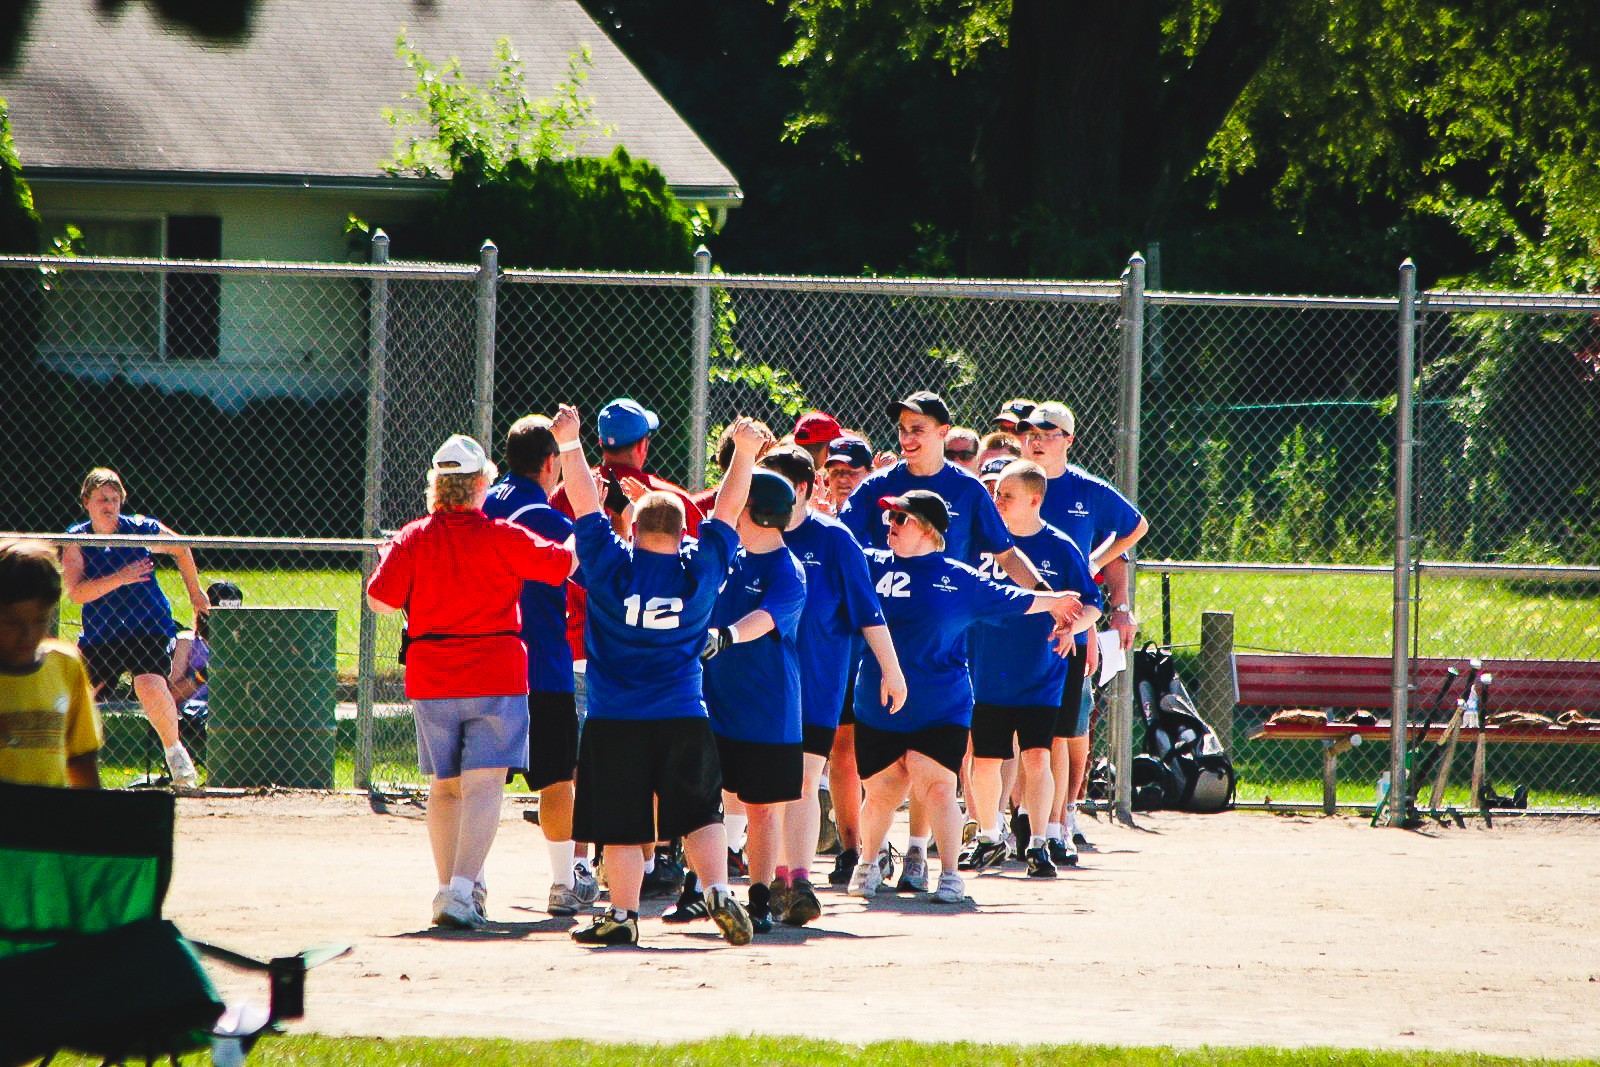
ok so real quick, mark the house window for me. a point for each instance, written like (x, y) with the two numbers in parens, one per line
(133, 314)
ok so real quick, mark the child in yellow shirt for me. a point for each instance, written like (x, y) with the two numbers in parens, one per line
(50, 731)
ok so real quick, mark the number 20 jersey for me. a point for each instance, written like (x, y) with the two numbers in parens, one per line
(647, 619)
(929, 601)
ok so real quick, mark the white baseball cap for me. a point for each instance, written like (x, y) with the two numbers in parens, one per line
(459, 454)
(1050, 416)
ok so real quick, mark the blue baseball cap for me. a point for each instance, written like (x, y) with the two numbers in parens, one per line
(624, 421)
(851, 451)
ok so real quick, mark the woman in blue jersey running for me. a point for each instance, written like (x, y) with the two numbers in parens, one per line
(929, 600)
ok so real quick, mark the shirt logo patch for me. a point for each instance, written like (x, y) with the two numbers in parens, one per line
(944, 585)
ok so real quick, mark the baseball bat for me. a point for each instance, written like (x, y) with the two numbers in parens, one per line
(1479, 756)
(1431, 760)
(1452, 734)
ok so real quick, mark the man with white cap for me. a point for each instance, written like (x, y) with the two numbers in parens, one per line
(1104, 525)
(458, 576)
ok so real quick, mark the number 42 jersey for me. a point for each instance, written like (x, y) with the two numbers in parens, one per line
(928, 602)
(647, 619)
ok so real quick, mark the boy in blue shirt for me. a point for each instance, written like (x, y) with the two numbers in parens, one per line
(1018, 679)
(647, 762)
(1104, 525)
(929, 600)
(523, 497)
(752, 688)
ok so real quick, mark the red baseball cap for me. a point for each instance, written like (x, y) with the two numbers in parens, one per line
(816, 428)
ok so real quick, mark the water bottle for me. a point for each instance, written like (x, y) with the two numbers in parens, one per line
(1469, 711)
(1383, 786)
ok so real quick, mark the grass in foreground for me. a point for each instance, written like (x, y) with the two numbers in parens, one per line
(307, 1051)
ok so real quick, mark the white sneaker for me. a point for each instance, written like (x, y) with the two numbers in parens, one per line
(585, 885)
(952, 890)
(182, 768)
(480, 899)
(563, 901)
(914, 872)
(456, 912)
(864, 881)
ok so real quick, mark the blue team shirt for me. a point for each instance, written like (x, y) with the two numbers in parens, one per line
(928, 602)
(137, 610)
(753, 688)
(1088, 509)
(647, 619)
(840, 604)
(1013, 664)
(544, 607)
(975, 525)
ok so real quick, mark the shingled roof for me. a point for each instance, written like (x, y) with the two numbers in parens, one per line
(301, 100)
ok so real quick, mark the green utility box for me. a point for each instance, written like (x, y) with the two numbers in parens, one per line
(273, 678)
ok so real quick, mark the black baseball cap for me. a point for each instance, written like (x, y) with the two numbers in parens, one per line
(925, 504)
(1013, 412)
(771, 500)
(922, 402)
(224, 595)
(851, 451)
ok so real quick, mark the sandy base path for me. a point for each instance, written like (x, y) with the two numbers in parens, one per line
(1236, 929)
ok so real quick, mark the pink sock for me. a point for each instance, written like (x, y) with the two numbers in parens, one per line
(783, 874)
(799, 874)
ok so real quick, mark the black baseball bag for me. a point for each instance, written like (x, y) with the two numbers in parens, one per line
(1182, 766)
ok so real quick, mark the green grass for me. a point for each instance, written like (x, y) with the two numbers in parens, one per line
(306, 1051)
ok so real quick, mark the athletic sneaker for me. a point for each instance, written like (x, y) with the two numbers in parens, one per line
(730, 917)
(585, 885)
(913, 873)
(1021, 832)
(455, 912)
(983, 855)
(827, 830)
(564, 901)
(780, 895)
(760, 909)
(608, 930)
(844, 867)
(737, 867)
(691, 905)
(1079, 842)
(865, 880)
(952, 890)
(802, 905)
(1039, 865)
(969, 831)
(667, 877)
(886, 864)
(182, 768)
(480, 898)
(1061, 853)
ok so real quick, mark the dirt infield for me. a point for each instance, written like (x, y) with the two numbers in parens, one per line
(1237, 929)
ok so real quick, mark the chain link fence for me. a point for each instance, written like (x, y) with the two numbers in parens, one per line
(293, 408)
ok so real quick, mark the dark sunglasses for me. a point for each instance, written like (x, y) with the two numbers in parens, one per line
(899, 518)
(960, 453)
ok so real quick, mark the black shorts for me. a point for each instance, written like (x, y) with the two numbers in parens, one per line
(994, 725)
(552, 741)
(1067, 724)
(760, 772)
(817, 740)
(847, 714)
(147, 654)
(877, 749)
(645, 780)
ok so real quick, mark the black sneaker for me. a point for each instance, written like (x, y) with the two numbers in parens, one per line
(1021, 830)
(803, 905)
(1039, 863)
(844, 867)
(760, 909)
(1061, 853)
(608, 930)
(691, 905)
(983, 855)
(1081, 843)
(667, 877)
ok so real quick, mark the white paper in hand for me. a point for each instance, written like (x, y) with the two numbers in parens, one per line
(1112, 658)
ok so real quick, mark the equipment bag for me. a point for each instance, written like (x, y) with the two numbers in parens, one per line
(1197, 774)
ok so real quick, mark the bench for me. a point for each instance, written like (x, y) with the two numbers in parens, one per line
(1279, 680)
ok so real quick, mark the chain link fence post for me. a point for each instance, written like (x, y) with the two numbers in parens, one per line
(488, 279)
(367, 647)
(1400, 667)
(1128, 481)
(698, 415)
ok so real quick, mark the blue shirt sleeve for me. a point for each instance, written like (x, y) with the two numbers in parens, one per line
(600, 550)
(991, 600)
(989, 533)
(713, 551)
(1113, 513)
(785, 601)
(859, 601)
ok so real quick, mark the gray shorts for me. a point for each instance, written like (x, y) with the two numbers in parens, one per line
(471, 733)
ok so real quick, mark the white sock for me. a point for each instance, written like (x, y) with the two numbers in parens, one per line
(444, 887)
(720, 887)
(917, 844)
(736, 826)
(561, 860)
(1036, 841)
(1053, 832)
(990, 835)
(461, 886)
(649, 863)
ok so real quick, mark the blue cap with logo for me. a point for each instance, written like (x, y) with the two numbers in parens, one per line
(851, 451)
(624, 421)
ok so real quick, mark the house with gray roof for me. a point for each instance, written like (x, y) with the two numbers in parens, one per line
(155, 143)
